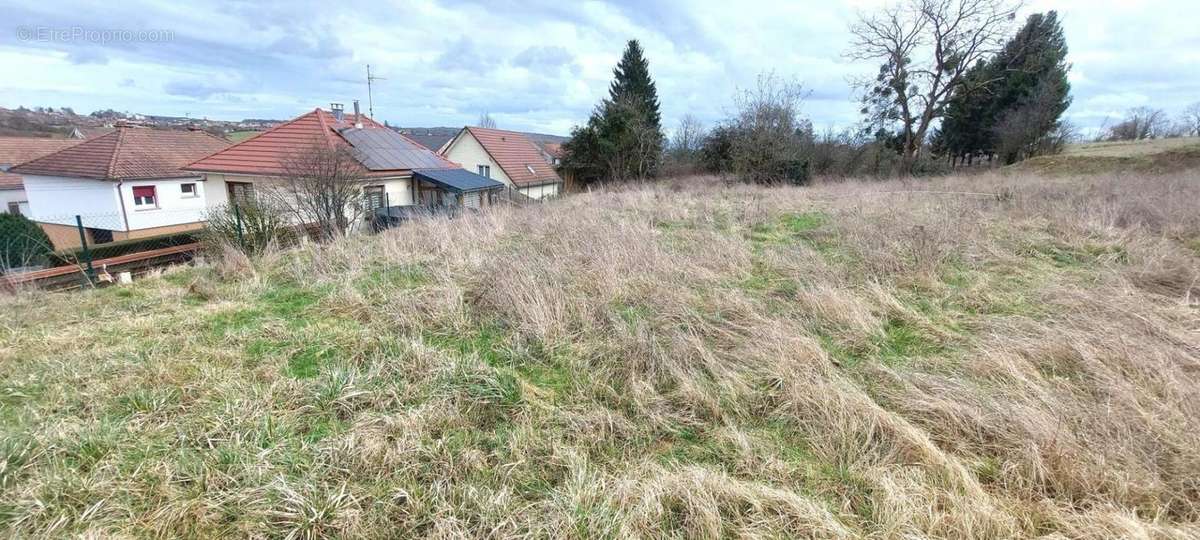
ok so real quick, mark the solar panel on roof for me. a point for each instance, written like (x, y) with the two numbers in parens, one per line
(381, 149)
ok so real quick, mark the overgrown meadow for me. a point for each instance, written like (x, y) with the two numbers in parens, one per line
(983, 357)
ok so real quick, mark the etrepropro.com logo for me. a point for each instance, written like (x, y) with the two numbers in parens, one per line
(80, 34)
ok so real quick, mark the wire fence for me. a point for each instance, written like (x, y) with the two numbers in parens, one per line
(96, 244)
(34, 246)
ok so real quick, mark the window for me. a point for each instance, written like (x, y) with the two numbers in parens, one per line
(375, 197)
(144, 197)
(14, 208)
(188, 190)
(240, 191)
(485, 171)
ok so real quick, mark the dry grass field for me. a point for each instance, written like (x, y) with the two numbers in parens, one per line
(1155, 156)
(998, 356)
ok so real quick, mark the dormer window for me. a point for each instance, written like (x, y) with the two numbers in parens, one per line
(530, 168)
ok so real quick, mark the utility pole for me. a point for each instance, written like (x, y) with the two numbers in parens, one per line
(370, 99)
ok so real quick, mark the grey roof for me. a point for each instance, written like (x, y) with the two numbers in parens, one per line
(432, 141)
(457, 180)
(381, 149)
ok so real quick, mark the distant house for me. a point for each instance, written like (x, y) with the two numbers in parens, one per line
(508, 156)
(400, 174)
(127, 184)
(14, 150)
(89, 132)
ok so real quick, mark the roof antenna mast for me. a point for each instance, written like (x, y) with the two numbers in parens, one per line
(370, 99)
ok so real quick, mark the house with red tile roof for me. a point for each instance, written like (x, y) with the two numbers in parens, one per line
(508, 156)
(126, 184)
(397, 172)
(14, 150)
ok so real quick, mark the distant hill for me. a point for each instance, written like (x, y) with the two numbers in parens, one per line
(1146, 156)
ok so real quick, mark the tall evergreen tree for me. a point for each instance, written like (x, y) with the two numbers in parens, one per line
(1033, 91)
(623, 138)
(631, 80)
(1019, 97)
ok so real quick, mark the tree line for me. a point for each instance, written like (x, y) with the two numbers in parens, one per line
(957, 82)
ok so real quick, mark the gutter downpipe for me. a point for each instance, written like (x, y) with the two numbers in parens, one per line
(124, 215)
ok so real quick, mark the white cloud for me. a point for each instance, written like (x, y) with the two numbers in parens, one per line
(538, 65)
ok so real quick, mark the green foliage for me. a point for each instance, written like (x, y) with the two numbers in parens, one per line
(623, 138)
(22, 242)
(1010, 105)
(631, 79)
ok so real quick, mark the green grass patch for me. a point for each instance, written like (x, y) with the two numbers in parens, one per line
(1067, 256)
(392, 276)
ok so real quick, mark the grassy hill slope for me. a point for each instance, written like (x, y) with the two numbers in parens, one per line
(690, 360)
(1157, 156)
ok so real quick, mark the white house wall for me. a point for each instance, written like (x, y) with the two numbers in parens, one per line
(467, 152)
(540, 192)
(55, 199)
(14, 196)
(173, 207)
(399, 190)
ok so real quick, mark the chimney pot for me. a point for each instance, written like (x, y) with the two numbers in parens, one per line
(338, 111)
(357, 116)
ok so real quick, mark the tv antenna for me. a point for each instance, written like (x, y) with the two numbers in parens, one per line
(370, 99)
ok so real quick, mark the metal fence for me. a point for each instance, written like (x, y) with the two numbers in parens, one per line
(93, 247)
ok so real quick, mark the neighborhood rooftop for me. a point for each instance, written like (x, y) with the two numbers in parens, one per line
(378, 148)
(520, 159)
(16, 150)
(127, 153)
(10, 181)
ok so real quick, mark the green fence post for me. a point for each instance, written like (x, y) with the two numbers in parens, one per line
(237, 213)
(87, 253)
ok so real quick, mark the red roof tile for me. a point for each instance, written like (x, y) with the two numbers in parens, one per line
(16, 150)
(127, 153)
(11, 181)
(266, 153)
(517, 156)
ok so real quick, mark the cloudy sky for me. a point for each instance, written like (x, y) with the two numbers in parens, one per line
(534, 65)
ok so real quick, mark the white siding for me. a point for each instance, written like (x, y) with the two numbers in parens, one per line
(54, 199)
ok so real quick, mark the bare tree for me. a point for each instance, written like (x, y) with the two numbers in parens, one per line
(322, 187)
(688, 135)
(486, 121)
(1139, 123)
(1191, 119)
(926, 48)
(768, 134)
(683, 152)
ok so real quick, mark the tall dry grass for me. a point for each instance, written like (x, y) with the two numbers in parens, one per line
(983, 357)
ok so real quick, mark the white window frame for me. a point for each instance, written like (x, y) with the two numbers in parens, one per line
(184, 194)
(153, 205)
(485, 171)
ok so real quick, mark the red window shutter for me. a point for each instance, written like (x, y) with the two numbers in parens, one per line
(143, 191)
